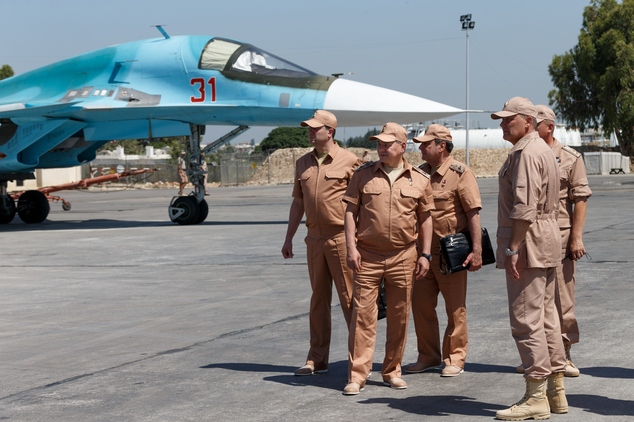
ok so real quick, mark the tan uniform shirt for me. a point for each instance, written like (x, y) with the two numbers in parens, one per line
(529, 191)
(573, 181)
(455, 192)
(321, 188)
(389, 215)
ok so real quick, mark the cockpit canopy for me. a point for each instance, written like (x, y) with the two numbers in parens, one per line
(230, 56)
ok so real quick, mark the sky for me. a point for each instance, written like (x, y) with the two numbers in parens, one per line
(412, 46)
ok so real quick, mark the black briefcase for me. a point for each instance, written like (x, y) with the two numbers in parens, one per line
(455, 248)
(381, 301)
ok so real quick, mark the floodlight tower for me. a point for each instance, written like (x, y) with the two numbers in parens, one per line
(467, 24)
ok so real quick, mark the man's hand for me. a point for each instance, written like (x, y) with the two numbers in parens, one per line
(422, 266)
(577, 249)
(475, 259)
(353, 259)
(511, 266)
(287, 249)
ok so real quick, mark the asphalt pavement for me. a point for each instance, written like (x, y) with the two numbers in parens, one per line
(110, 312)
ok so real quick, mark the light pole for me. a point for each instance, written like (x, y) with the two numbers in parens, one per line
(467, 24)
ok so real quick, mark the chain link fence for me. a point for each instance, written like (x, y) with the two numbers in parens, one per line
(239, 168)
(231, 170)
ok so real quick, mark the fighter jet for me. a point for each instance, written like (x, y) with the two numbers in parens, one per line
(61, 114)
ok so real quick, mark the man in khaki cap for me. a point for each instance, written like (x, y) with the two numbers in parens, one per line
(457, 202)
(529, 249)
(388, 236)
(321, 178)
(573, 196)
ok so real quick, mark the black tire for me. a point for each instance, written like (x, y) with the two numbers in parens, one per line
(7, 210)
(203, 211)
(33, 207)
(190, 210)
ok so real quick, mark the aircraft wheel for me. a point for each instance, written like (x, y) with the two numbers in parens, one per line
(66, 206)
(7, 210)
(203, 211)
(33, 207)
(184, 210)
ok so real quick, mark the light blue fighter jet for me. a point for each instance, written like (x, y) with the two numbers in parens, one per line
(60, 114)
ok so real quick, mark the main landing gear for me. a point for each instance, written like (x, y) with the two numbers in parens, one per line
(32, 207)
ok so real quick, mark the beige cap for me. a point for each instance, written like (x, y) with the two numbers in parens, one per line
(392, 132)
(321, 118)
(516, 105)
(434, 131)
(544, 113)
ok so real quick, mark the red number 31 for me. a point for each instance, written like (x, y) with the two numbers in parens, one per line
(200, 83)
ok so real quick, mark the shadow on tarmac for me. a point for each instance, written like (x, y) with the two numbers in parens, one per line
(98, 224)
(601, 405)
(608, 372)
(483, 368)
(438, 405)
(334, 379)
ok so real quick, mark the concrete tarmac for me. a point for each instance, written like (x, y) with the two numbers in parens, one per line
(112, 313)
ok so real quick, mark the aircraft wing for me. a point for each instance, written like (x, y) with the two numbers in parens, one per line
(30, 111)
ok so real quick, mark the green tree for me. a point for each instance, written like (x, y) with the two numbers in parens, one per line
(594, 82)
(5, 71)
(363, 141)
(285, 137)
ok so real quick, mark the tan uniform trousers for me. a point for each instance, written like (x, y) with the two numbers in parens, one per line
(398, 271)
(534, 322)
(326, 263)
(453, 288)
(565, 293)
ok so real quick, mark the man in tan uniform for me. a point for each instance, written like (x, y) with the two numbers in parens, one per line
(529, 249)
(457, 202)
(388, 236)
(573, 200)
(182, 173)
(321, 179)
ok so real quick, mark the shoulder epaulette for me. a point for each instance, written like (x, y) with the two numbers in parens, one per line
(457, 167)
(366, 165)
(421, 171)
(572, 151)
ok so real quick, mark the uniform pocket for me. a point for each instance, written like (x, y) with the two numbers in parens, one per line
(442, 200)
(411, 192)
(369, 190)
(304, 177)
(335, 175)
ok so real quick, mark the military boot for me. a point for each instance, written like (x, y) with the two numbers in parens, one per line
(556, 393)
(533, 405)
(571, 369)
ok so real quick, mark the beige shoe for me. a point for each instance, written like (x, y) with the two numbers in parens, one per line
(418, 367)
(309, 369)
(556, 394)
(571, 369)
(533, 405)
(352, 389)
(395, 383)
(451, 371)
(520, 369)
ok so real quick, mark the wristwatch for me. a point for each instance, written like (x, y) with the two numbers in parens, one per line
(426, 256)
(510, 252)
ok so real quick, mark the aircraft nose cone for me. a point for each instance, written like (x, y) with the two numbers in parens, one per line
(359, 104)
